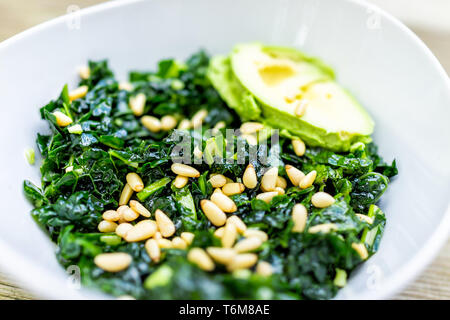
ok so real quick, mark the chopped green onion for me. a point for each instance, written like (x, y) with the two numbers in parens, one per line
(75, 129)
(152, 188)
(29, 155)
(177, 84)
(111, 239)
(340, 280)
(159, 278)
(369, 235)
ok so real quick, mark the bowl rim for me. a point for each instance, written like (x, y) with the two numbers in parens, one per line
(398, 279)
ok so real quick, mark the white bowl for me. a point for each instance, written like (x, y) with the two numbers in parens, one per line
(383, 63)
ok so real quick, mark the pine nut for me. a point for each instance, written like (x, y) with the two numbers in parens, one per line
(198, 118)
(299, 216)
(168, 122)
(300, 108)
(141, 231)
(184, 124)
(299, 147)
(242, 261)
(248, 244)
(229, 180)
(213, 213)
(165, 224)
(128, 214)
(139, 208)
(322, 200)
(137, 104)
(251, 127)
(151, 123)
(152, 248)
(251, 139)
(219, 232)
(256, 233)
(107, 226)
(217, 180)
(324, 228)
(157, 235)
(62, 119)
(78, 93)
(267, 196)
(218, 190)
(135, 182)
(294, 174)
(249, 178)
(281, 182)
(265, 269)
(197, 152)
(308, 180)
(188, 237)
(185, 170)
(120, 210)
(238, 223)
(75, 129)
(199, 257)
(123, 228)
(113, 262)
(178, 243)
(126, 194)
(84, 72)
(280, 191)
(221, 255)
(164, 243)
(223, 202)
(111, 215)
(229, 235)
(219, 125)
(233, 188)
(121, 219)
(360, 248)
(125, 85)
(180, 181)
(364, 218)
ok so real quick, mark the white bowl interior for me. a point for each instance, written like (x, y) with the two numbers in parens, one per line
(380, 61)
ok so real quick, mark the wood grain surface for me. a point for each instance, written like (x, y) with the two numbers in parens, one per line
(19, 15)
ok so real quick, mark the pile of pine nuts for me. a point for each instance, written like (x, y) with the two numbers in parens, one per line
(230, 229)
(155, 232)
(167, 122)
(233, 255)
(238, 242)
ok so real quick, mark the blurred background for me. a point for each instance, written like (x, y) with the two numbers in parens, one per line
(429, 19)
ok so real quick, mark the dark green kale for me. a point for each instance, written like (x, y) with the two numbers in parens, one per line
(84, 171)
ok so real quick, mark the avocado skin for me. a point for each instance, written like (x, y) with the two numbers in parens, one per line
(313, 136)
(249, 107)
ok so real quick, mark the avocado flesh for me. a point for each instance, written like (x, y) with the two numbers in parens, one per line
(274, 79)
(230, 89)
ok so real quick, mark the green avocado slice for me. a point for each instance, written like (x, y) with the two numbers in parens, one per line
(275, 80)
(229, 88)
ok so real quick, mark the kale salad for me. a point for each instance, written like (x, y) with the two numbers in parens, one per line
(250, 175)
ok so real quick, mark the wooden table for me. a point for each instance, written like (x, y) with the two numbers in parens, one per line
(18, 15)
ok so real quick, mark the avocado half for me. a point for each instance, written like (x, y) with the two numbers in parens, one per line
(267, 83)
